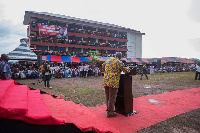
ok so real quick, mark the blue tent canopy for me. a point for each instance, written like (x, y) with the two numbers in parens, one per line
(66, 58)
(49, 57)
(84, 59)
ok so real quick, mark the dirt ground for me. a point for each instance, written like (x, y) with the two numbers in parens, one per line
(90, 92)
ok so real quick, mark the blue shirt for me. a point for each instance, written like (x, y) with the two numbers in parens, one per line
(5, 68)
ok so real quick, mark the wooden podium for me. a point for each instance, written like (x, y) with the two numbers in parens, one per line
(124, 100)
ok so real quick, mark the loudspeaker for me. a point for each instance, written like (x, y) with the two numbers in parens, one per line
(159, 63)
(39, 60)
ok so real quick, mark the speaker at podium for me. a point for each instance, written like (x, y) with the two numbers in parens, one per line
(124, 100)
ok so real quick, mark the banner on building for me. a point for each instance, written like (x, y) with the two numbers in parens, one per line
(59, 32)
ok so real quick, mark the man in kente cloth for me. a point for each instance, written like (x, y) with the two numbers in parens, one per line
(113, 68)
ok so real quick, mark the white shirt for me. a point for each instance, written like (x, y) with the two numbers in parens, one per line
(198, 69)
(81, 68)
(85, 68)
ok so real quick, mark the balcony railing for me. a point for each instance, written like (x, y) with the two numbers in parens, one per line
(49, 41)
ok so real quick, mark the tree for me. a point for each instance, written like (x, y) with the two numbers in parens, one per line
(95, 55)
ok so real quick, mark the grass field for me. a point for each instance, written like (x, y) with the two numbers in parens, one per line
(90, 92)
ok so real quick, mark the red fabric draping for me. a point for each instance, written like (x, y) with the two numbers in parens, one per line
(75, 59)
(56, 58)
(20, 103)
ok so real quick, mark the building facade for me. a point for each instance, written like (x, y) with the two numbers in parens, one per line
(53, 32)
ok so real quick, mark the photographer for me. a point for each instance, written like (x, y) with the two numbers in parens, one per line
(47, 75)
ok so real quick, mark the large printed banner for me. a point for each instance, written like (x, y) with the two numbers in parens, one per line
(59, 32)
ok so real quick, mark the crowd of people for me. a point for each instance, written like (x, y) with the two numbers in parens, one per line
(67, 70)
(83, 31)
(151, 69)
(26, 71)
(58, 70)
(75, 42)
(70, 53)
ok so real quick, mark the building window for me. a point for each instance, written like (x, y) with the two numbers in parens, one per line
(70, 49)
(52, 48)
(92, 29)
(70, 37)
(99, 30)
(70, 25)
(110, 31)
(77, 50)
(61, 24)
(43, 47)
(43, 21)
(122, 43)
(61, 49)
(78, 26)
(116, 32)
(85, 28)
(99, 40)
(52, 23)
(77, 38)
(85, 50)
(92, 50)
(92, 40)
(85, 39)
(123, 52)
(110, 52)
(122, 33)
(111, 42)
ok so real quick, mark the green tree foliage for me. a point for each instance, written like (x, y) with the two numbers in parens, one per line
(95, 55)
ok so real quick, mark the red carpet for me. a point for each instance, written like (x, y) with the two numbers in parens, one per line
(20, 103)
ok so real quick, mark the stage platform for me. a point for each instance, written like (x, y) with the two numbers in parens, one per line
(18, 102)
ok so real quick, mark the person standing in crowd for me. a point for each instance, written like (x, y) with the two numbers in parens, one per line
(47, 75)
(5, 71)
(144, 71)
(73, 72)
(151, 69)
(81, 70)
(84, 70)
(197, 72)
(96, 71)
(113, 68)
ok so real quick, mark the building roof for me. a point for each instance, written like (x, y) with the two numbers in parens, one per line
(63, 18)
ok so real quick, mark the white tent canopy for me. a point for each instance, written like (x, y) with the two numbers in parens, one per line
(22, 52)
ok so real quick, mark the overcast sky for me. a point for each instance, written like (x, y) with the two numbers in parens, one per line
(172, 27)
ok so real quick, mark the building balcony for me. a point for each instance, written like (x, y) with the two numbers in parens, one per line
(76, 46)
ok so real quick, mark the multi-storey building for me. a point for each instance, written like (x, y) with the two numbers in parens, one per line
(82, 35)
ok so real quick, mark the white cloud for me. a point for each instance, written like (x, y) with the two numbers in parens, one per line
(194, 11)
(9, 43)
(10, 35)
